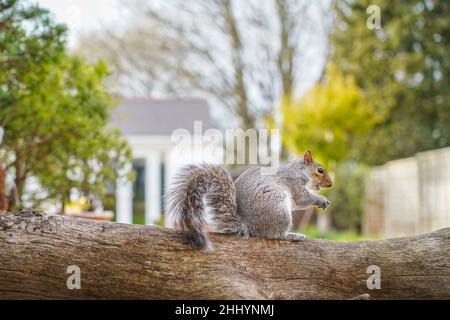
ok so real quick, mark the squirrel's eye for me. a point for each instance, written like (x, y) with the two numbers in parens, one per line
(320, 170)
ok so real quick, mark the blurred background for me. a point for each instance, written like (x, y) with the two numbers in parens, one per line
(92, 91)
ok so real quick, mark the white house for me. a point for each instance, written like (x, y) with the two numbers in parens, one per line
(156, 130)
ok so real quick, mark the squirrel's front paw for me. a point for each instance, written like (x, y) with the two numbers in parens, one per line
(323, 202)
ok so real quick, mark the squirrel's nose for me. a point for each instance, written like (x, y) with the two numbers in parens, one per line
(329, 184)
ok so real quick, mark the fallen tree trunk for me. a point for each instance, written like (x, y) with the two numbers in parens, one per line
(119, 261)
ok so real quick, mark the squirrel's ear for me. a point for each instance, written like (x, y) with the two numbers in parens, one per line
(308, 157)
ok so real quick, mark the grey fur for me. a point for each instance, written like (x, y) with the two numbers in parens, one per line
(256, 205)
(191, 186)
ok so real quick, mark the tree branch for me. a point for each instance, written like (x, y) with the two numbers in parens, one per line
(120, 261)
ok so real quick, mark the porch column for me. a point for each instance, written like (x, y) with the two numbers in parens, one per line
(152, 187)
(124, 200)
(171, 168)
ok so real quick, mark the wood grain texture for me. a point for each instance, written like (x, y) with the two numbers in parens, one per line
(120, 261)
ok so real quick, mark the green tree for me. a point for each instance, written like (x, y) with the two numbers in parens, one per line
(403, 69)
(54, 111)
(329, 119)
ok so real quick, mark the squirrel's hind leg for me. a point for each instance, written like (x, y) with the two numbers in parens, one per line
(292, 236)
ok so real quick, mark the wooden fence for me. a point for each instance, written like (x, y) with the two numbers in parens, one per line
(409, 196)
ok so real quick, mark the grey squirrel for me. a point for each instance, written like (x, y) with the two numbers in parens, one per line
(255, 205)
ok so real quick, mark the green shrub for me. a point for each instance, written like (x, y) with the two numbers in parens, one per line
(347, 195)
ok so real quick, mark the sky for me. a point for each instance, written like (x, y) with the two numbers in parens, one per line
(84, 15)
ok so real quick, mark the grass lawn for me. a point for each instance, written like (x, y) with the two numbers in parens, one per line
(337, 235)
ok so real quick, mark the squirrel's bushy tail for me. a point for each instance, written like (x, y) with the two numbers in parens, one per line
(186, 200)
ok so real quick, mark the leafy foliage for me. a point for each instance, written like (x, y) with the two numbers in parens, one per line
(329, 119)
(402, 68)
(347, 196)
(54, 109)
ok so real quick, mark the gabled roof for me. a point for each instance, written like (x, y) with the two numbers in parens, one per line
(160, 117)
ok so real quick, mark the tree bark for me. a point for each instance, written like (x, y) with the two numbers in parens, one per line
(119, 261)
